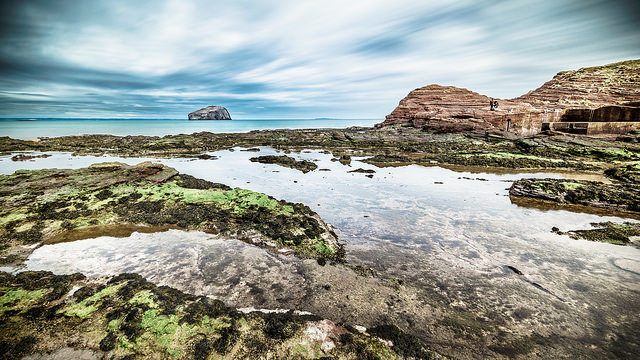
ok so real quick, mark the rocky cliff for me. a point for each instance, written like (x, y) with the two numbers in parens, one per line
(450, 109)
(591, 87)
(210, 113)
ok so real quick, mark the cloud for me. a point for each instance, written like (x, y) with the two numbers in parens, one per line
(291, 58)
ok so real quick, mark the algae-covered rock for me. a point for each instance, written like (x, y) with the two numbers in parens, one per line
(126, 317)
(608, 232)
(116, 199)
(627, 174)
(287, 161)
(616, 197)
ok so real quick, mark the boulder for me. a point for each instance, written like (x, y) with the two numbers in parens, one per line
(210, 113)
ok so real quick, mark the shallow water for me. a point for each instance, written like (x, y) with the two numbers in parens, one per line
(32, 128)
(447, 235)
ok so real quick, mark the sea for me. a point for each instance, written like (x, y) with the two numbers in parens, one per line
(34, 128)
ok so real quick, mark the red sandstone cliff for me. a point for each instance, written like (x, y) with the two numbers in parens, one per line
(450, 109)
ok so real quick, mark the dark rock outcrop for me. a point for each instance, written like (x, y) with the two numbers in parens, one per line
(210, 113)
(594, 194)
(609, 232)
(451, 109)
(287, 161)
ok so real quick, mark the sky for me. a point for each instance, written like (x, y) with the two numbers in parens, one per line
(291, 58)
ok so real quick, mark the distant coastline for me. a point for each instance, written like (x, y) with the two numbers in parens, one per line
(28, 128)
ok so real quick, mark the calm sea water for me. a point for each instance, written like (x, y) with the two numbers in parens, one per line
(29, 129)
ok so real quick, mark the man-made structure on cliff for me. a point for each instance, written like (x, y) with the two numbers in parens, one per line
(612, 119)
(210, 113)
(608, 95)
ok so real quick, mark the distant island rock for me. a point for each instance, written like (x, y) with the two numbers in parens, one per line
(210, 113)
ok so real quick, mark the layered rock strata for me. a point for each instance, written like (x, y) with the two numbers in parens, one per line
(451, 109)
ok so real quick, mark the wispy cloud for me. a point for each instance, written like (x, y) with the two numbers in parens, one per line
(292, 58)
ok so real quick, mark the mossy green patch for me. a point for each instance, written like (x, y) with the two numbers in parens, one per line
(237, 199)
(19, 298)
(170, 334)
(144, 297)
(571, 185)
(87, 306)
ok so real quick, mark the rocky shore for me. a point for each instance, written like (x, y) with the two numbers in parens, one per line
(126, 317)
(49, 206)
(615, 157)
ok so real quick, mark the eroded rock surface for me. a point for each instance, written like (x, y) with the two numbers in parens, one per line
(451, 109)
(608, 232)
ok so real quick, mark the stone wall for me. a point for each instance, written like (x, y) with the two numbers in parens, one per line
(612, 113)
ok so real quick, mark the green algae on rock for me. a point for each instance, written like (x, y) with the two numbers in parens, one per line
(55, 205)
(614, 197)
(127, 317)
(287, 161)
(391, 145)
(608, 232)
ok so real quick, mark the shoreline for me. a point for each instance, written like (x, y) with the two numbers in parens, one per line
(591, 156)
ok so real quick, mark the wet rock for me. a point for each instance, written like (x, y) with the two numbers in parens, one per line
(626, 174)
(623, 197)
(128, 317)
(117, 199)
(609, 232)
(207, 157)
(287, 161)
(518, 272)
(25, 157)
(363, 171)
(343, 159)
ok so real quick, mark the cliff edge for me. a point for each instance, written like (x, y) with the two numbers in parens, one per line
(451, 109)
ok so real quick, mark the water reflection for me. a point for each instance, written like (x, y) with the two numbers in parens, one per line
(449, 233)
